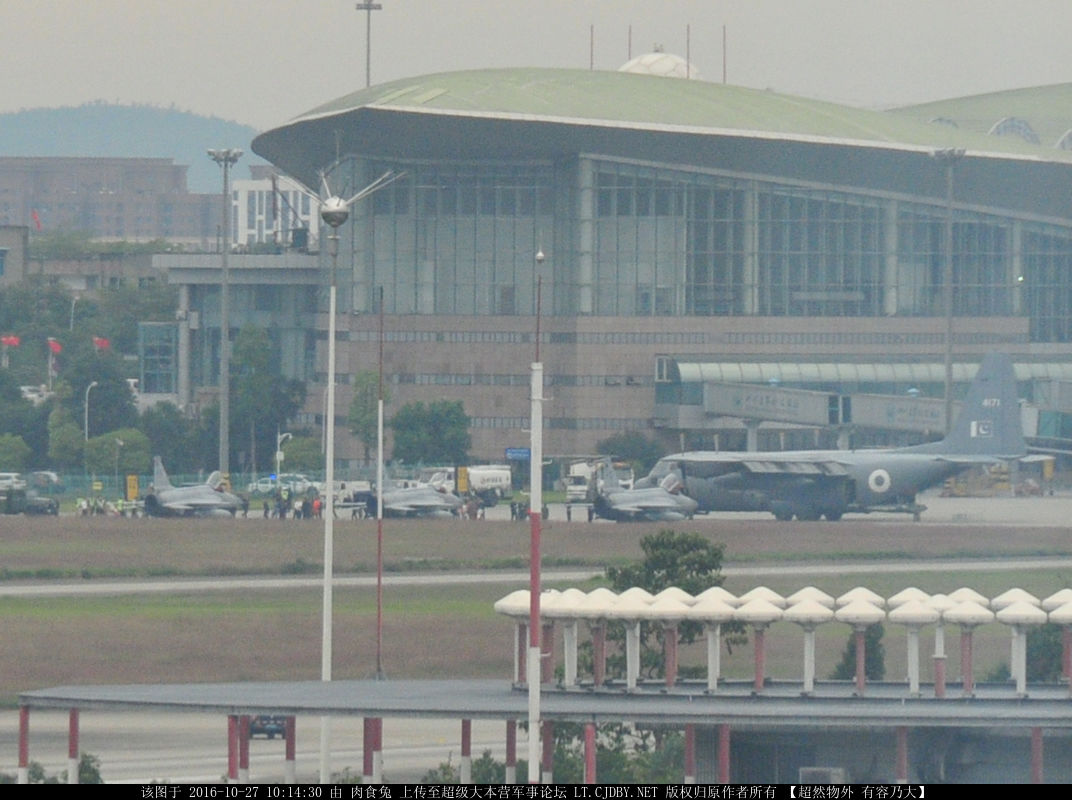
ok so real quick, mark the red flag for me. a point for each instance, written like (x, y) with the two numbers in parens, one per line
(101, 343)
(54, 346)
(10, 340)
(36, 219)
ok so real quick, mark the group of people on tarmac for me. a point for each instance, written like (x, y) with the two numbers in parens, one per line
(285, 504)
(98, 506)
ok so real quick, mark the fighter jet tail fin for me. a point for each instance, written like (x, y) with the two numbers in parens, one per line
(161, 483)
(989, 423)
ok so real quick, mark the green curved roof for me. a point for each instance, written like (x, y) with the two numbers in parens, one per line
(1047, 109)
(649, 102)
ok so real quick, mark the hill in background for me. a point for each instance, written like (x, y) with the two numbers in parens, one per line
(129, 131)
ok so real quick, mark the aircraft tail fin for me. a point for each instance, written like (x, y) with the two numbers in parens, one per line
(160, 477)
(989, 422)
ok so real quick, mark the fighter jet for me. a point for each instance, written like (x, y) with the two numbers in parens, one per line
(201, 500)
(812, 484)
(416, 501)
(664, 502)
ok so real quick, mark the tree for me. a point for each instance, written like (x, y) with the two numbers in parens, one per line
(303, 454)
(436, 433)
(262, 400)
(874, 656)
(14, 453)
(633, 447)
(363, 418)
(66, 443)
(105, 455)
(172, 436)
(685, 560)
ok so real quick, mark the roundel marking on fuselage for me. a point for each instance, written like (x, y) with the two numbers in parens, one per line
(879, 481)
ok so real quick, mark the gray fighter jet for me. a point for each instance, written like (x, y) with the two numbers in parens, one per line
(810, 484)
(416, 501)
(201, 500)
(664, 502)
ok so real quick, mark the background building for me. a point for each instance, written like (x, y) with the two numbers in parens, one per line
(131, 199)
(678, 218)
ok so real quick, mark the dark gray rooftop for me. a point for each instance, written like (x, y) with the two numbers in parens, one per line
(780, 706)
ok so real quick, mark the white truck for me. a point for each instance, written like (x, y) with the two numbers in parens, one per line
(580, 475)
(577, 477)
(490, 482)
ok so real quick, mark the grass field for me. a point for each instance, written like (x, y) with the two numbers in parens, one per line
(429, 632)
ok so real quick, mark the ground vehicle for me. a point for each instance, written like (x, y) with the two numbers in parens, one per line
(37, 503)
(11, 480)
(295, 482)
(580, 472)
(267, 725)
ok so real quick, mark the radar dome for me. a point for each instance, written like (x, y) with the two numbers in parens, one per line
(665, 65)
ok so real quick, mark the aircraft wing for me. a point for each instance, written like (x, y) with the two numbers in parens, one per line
(792, 466)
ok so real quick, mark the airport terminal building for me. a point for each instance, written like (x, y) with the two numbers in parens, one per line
(675, 221)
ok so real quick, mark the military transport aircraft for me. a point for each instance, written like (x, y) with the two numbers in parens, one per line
(664, 502)
(812, 484)
(201, 500)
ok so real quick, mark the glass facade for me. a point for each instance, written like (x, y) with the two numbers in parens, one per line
(629, 239)
(158, 351)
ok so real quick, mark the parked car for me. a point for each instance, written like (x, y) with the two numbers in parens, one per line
(295, 482)
(262, 486)
(267, 725)
(12, 480)
(37, 503)
(46, 481)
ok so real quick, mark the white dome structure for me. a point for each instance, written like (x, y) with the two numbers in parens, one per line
(663, 65)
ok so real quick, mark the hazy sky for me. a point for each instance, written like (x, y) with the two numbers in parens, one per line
(262, 62)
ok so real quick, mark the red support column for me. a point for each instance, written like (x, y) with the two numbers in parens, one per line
(72, 746)
(759, 643)
(289, 763)
(368, 741)
(723, 753)
(861, 661)
(966, 660)
(511, 751)
(522, 651)
(24, 745)
(243, 748)
(547, 653)
(690, 753)
(1066, 654)
(1036, 755)
(901, 772)
(599, 652)
(232, 748)
(465, 768)
(589, 752)
(670, 653)
(548, 760)
(377, 752)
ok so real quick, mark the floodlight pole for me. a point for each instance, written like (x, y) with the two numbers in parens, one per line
(379, 507)
(225, 158)
(334, 219)
(368, 8)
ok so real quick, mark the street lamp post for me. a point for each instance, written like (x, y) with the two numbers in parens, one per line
(85, 411)
(279, 439)
(225, 158)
